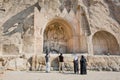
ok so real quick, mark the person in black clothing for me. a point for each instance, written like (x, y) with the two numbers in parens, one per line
(61, 63)
(76, 65)
(83, 69)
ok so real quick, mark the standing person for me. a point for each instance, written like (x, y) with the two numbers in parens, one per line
(76, 65)
(61, 63)
(47, 60)
(83, 69)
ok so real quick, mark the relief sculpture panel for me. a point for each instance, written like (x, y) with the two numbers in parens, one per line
(55, 38)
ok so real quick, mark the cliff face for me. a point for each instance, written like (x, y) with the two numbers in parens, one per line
(17, 22)
(17, 19)
(114, 7)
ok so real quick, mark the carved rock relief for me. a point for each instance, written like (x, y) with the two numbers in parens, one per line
(55, 37)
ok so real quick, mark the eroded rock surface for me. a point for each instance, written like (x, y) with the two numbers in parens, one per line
(88, 26)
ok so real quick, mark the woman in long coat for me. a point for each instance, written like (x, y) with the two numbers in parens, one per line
(76, 64)
(83, 65)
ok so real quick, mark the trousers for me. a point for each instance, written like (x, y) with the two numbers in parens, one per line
(61, 66)
(47, 66)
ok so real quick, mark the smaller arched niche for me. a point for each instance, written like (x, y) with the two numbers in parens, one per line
(104, 43)
(57, 36)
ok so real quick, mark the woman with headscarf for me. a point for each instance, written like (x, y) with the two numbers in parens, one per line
(76, 65)
(83, 69)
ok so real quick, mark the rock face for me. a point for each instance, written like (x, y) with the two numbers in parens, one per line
(17, 64)
(26, 26)
(16, 25)
(80, 26)
(1, 66)
(37, 63)
(107, 63)
(14, 63)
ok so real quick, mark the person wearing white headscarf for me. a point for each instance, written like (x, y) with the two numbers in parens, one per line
(76, 65)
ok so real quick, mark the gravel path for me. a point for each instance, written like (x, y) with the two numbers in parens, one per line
(92, 75)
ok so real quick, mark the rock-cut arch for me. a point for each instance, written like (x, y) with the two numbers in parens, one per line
(104, 43)
(58, 36)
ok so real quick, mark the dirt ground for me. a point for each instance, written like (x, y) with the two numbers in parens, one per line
(54, 75)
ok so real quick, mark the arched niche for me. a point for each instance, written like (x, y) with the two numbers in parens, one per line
(104, 43)
(58, 36)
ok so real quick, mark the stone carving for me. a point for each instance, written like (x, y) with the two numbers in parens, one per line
(55, 37)
(19, 21)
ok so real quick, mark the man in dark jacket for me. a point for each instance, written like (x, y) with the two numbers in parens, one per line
(61, 63)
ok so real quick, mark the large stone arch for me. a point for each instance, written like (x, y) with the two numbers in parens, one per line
(58, 36)
(104, 43)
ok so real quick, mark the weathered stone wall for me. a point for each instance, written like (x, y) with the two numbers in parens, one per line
(37, 62)
(23, 23)
(16, 23)
(100, 18)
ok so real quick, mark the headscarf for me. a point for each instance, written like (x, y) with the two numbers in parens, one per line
(76, 57)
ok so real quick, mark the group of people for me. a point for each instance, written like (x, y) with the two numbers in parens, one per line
(83, 64)
(61, 62)
(83, 69)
